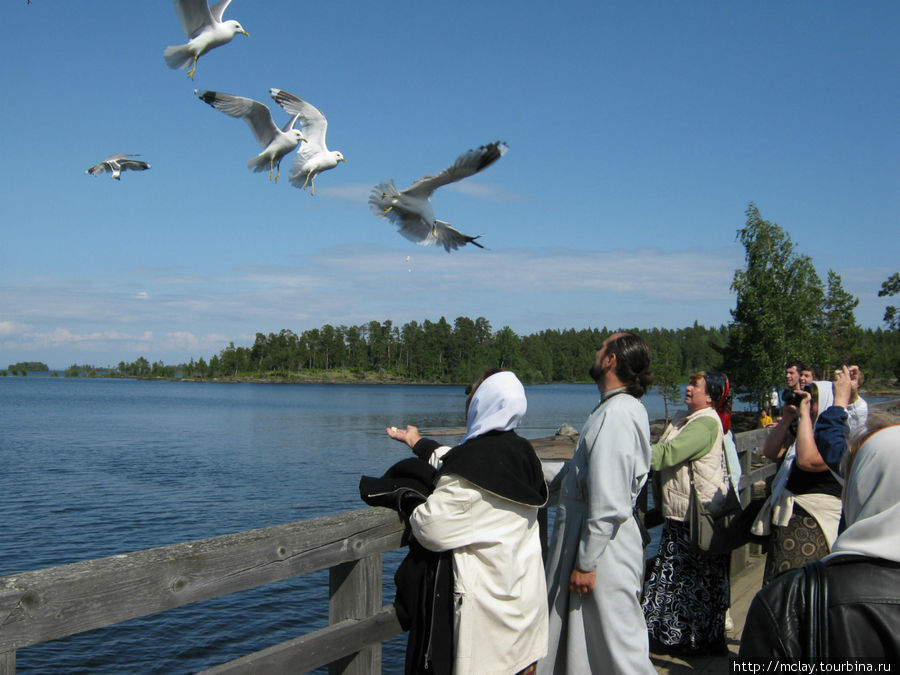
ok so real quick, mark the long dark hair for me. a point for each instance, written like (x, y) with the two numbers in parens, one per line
(632, 363)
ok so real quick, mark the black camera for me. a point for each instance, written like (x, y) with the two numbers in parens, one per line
(791, 397)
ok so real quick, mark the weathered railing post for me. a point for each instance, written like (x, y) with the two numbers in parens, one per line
(8, 663)
(355, 593)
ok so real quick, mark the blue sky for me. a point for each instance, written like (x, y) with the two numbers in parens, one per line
(638, 134)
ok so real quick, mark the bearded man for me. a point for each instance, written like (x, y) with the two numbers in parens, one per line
(595, 567)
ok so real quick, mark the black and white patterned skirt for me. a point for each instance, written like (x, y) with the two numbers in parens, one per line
(687, 593)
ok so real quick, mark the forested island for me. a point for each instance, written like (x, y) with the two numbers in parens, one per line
(25, 367)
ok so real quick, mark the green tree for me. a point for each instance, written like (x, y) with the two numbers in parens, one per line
(778, 313)
(842, 331)
(509, 348)
(889, 288)
(666, 373)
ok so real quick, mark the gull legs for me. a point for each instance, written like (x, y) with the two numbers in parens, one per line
(272, 169)
(193, 69)
(311, 181)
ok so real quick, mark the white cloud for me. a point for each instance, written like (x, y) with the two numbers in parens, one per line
(8, 328)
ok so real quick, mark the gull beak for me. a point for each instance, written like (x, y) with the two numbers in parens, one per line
(343, 159)
(245, 33)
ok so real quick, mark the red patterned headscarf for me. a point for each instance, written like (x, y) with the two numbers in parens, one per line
(719, 389)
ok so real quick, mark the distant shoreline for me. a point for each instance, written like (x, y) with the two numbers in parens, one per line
(342, 377)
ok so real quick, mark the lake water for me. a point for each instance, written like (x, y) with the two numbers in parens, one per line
(94, 467)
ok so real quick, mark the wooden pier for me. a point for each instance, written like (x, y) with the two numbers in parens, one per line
(53, 603)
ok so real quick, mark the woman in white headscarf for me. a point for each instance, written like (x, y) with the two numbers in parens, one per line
(862, 572)
(484, 508)
(803, 511)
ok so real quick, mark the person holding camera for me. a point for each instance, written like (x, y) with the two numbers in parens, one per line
(803, 511)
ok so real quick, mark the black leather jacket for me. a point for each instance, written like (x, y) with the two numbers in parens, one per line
(863, 612)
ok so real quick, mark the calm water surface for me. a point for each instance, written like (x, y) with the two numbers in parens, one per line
(94, 467)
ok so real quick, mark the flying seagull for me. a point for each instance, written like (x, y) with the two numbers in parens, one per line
(116, 164)
(313, 157)
(411, 211)
(276, 143)
(204, 26)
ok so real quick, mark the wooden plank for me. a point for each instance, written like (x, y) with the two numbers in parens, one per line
(7, 663)
(354, 594)
(316, 649)
(56, 602)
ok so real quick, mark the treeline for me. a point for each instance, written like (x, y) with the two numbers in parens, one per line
(444, 352)
(441, 352)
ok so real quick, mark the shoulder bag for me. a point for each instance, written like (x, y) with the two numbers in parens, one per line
(710, 532)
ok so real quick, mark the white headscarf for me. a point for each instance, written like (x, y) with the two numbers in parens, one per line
(497, 405)
(872, 500)
(826, 398)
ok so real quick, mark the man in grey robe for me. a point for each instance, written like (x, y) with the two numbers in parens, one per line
(595, 566)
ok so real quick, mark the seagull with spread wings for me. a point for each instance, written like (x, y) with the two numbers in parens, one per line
(116, 164)
(411, 211)
(205, 28)
(313, 156)
(276, 143)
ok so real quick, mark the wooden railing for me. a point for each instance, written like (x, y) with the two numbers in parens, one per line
(56, 602)
(60, 601)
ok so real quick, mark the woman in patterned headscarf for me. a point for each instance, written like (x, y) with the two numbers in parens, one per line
(687, 593)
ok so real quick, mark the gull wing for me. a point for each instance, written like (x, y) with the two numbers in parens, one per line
(417, 230)
(467, 164)
(257, 115)
(218, 10)
(97, 169)
(290, 123)
(133, 165)
(194, 16)
(107, 164)
(449, 237)
(313, 124)
(411, 226)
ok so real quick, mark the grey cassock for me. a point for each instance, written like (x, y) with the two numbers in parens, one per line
(603, 631)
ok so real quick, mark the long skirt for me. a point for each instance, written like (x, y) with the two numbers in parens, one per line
(797, 543)
(687, 594)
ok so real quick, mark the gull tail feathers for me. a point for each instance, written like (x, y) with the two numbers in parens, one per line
(178, 56)
(300, 179)
(258, 163)
(381, 195)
